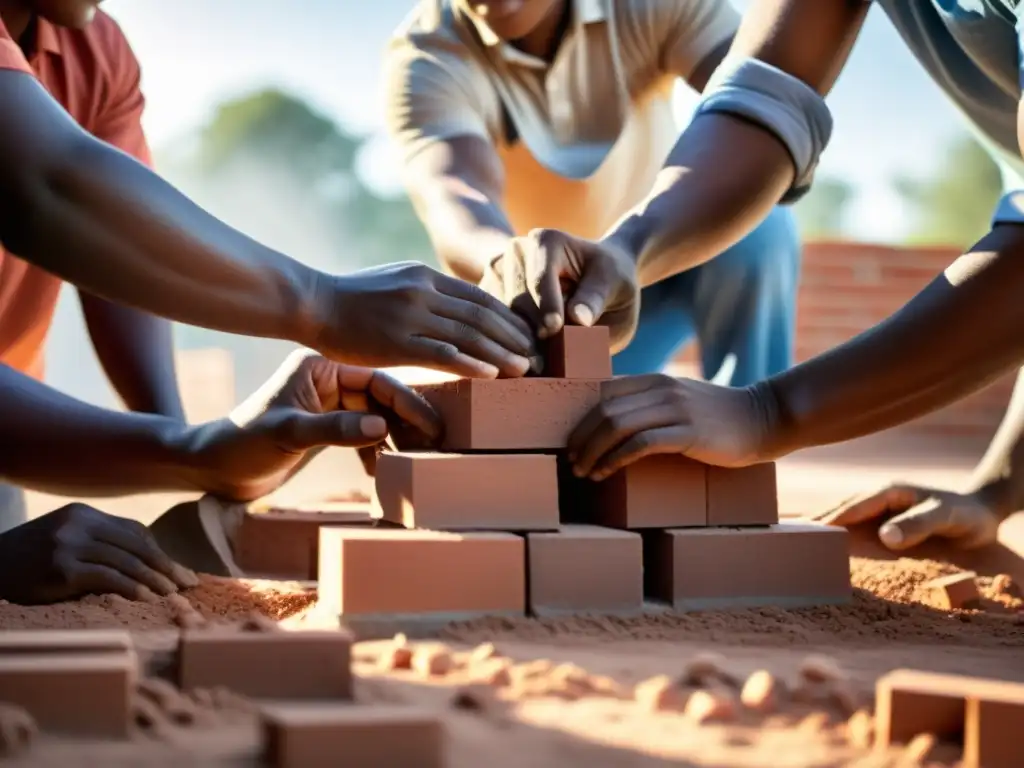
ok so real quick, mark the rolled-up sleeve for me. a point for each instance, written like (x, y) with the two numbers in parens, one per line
(686, 32)
(430, 97)
(1010, 209)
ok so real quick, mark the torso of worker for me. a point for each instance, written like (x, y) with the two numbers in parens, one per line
(95, 76)
(581, 138)
(972, 50)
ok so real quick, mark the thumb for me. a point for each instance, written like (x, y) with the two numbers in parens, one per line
(598, 282)
(914, 526)
(303, 431)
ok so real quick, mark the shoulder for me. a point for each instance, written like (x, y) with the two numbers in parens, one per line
(430, 52)
(107, 48)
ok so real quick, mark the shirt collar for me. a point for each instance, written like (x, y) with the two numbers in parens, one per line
(47, 39)
(584, 11)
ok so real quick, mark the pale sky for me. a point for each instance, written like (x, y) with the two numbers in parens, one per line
(889, 117)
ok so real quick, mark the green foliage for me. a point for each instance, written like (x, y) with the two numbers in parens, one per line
(954, 206)
(270, 165)
(821, 214)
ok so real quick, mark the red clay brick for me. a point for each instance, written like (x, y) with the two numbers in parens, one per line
(955, 591)
(306, 736)
(661, 491)
(82, 694)
(509, 414)
(453, 492)
(585, 569)
(908, 702)
(743, 496)
(396, 572)
(789, 564)
(284, 543)
(993, 725)
(64, 642)
(312, 664)
(578, 352)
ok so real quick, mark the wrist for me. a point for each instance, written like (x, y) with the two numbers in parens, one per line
(1000, 495)
(308, 302)
(186, 447)
(774, 436)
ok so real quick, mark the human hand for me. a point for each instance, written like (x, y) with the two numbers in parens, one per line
(551, 278)
(643, 415)
(308, 404)
(911, 514)
(410, 314)
(77, 550)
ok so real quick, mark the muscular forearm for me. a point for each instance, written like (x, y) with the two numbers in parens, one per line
(53, 443)
(467, 230)
(956, 336)
(136, 350)
(720, 181)
(102, 221)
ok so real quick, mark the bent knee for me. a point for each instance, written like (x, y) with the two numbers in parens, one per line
(774, 247)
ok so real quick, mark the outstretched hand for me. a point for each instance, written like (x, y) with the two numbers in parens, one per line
(912, 514)
(309, 404)
(551, 278)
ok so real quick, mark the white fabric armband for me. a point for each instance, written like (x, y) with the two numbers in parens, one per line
(793, 111)
(1010, 209)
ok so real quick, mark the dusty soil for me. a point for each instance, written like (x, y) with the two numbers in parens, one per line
(566, 692)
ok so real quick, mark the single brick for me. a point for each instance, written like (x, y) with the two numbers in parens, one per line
(82, 694)
(908, 702)
(285, 543)
(585, 569)
(509, 414)
(578, 352)
(955, 591)
(394, 573)
(307, 736)
(993, 726)
(789, 564)
(452, 492)
(311, 664)
(743, 496)
(65, 642)
(660, 491)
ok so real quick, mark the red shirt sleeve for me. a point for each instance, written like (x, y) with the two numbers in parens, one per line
(119, 121)
(11, 56)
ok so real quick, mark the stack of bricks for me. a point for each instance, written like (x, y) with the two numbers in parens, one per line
(493, 524)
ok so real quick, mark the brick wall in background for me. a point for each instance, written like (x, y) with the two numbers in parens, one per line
(848, 287)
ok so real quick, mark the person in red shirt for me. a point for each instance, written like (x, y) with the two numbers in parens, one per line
(79, 203)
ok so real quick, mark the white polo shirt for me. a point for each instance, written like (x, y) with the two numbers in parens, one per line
(589, 131)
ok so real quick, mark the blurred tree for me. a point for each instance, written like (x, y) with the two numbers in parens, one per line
(821, 215)
(954, 206)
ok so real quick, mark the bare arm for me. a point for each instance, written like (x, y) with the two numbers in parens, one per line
(455, 185)
(959, 334)
(726, 174)
(92, 215)
(136, 350)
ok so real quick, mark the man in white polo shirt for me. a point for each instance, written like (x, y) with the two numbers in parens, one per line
(516, 115)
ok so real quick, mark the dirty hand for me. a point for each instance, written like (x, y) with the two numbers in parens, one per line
(913, 514)
(77, 550)
(410, 314)
(654, 413)
(552, 278)
(309, 404)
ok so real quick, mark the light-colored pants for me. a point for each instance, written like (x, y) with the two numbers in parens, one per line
(13, 510)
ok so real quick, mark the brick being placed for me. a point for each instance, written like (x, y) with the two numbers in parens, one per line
(310, 735)
(985, 716)
(784, 565)
(743, 496)
(578, 352)
(384, 577)
(508, 414)
(661, 491)
(308, 664)
(284, 543)
(456, 492)
(79, 693)
(585, 569)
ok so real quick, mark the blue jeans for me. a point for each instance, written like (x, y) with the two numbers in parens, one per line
(741, 305)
